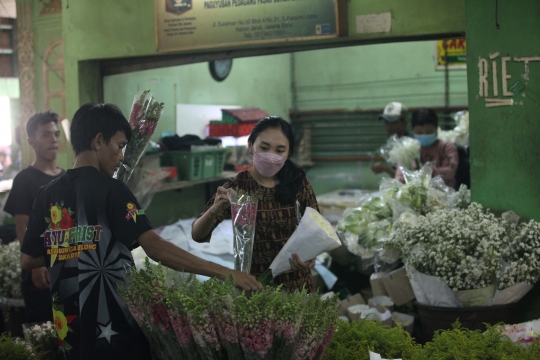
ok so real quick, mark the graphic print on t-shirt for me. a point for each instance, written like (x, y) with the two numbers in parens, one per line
(63, 237)
(133, 212)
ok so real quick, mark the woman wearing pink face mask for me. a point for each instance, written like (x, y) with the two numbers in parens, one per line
(283, 191)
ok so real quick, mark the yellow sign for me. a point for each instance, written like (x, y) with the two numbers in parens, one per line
(456, 52)
(199, 24)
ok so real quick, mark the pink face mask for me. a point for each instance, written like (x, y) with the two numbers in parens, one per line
(268, 164)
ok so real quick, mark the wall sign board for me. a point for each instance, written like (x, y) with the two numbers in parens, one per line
(204, 24)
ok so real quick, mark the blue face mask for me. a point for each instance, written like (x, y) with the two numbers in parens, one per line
(426, 140)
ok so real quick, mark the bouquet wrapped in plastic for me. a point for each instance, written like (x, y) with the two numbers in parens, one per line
(244, 216)
(143, 118)
(288, 323)
(402, 150)
(256, 323)
(313, 236)
(184, 319)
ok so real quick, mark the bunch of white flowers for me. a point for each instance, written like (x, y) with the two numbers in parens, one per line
(404, 151)
(10, 271)
(521, 255)
(43, 338)
(460, 246)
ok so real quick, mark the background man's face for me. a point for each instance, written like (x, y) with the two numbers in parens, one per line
(45, 141)
(398, 127)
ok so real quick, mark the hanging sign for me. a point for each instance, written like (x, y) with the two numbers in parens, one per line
(456, 54)
(200, 24)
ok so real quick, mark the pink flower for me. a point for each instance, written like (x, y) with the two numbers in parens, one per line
(181, 329)
(257, 339)
(227, 329)
(205, 335)
(159, 314)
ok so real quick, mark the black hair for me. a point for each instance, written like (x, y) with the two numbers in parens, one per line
(40, 118)
(424, 116)
(291, 175)
(92, 119)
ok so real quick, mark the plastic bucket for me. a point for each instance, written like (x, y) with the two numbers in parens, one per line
(433, 318)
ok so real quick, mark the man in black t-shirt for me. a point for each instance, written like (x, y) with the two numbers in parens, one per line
(43, 136)
(83, 227)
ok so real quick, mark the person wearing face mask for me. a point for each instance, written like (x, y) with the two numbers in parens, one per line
(443, 153)
(284, 193)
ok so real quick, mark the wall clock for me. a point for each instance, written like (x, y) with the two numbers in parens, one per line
(220, 69)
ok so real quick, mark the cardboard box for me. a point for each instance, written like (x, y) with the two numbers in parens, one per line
(344, 305)
(398, 286)
(377, 285)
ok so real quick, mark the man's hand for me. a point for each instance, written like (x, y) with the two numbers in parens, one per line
(245, 281)
(299, 265)
(379, 167)
(40, 278)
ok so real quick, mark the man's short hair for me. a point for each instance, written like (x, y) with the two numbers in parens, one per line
(40, 118)
(92, 119)
(424, 116)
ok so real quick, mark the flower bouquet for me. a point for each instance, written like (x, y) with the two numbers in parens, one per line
(318, 327)
(10, 273)
(521, 262)
(143, 118)
(202, 323)
(145, 298)
(244, 216)
(404, 151)
(288, 322)
(313, 236)
(460, 247)
(44, 340)
(256, 323)
(226, 317)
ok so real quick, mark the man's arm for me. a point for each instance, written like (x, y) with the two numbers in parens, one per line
(29, 263)
(21, 223)
(40, 275)
(178, 259)
(380, 167)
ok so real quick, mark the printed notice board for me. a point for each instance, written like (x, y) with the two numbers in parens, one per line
(200, 24)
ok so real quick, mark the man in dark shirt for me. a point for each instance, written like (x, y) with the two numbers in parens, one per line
(83, 227)
(43, 136)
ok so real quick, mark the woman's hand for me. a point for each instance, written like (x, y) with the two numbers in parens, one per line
(299, 265)
(221, 201)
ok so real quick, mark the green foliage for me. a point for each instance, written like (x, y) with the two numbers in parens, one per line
(352, 341)
(465, 344)
(15, 349)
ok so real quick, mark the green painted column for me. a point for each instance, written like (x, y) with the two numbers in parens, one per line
(504, 103)
(505, 145)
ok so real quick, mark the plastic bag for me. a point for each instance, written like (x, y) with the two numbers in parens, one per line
(460, 134)
(244, 216)
(143, 119)
(401, 150)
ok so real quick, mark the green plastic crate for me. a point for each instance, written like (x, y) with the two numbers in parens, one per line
(188, 163)
(196, 165)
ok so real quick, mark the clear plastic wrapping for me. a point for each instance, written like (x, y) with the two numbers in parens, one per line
(144, 116)
(244, 216)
